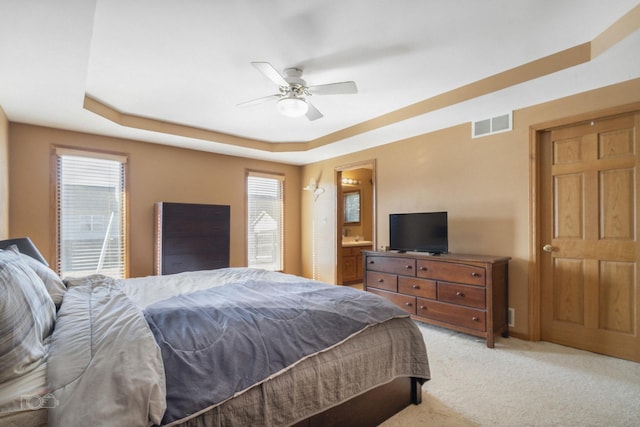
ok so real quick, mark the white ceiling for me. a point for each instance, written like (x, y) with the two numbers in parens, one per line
(188, 62)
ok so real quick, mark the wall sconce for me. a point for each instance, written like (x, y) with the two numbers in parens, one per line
(350, 181)
(313, 187)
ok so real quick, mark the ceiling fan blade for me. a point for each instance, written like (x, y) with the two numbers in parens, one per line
(342, 88)
(259, 100)
(271, 73)
(312, 112)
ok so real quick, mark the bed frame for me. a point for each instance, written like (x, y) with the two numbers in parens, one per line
(370, 408)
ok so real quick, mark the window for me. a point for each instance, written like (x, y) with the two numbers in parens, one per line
(265, 221)
(91, 213)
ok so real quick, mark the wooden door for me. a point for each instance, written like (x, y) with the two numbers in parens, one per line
(589, 279)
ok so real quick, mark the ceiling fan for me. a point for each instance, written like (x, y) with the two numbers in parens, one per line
(293, 91)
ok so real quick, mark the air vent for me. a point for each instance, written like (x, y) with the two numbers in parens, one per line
(493, 125)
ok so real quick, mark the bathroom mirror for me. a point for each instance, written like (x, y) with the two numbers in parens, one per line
(352, 207)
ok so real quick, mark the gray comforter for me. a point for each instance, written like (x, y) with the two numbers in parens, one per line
(221, 341)
(105, 367)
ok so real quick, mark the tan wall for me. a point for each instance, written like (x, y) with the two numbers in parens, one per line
(483, 183)
(156, 173)
(4, 175)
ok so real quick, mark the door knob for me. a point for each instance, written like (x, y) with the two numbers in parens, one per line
(548, 248)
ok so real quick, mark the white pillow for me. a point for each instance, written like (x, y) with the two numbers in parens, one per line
(27, 316)
(51, 280)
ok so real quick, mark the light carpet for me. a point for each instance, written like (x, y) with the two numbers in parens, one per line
(521, 383)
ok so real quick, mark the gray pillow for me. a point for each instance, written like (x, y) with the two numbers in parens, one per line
(51, 280)
(27, 316)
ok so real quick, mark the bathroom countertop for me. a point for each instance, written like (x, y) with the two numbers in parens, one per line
(357, 243)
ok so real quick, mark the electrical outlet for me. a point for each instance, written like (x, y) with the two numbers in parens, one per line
(511, 317)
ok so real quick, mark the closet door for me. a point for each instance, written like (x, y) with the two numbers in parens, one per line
(590, 297)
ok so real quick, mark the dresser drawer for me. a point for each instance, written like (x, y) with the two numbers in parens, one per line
(451, 272)
(470, 296)
(379, 280)
(449, 313)
(405, 302)
(419, 287)
(404, 266)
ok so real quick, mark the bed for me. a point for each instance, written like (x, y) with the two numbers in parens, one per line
(232, 346)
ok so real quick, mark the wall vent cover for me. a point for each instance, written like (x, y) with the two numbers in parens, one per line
(497, 124)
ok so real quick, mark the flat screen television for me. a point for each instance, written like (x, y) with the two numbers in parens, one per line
(419, 232)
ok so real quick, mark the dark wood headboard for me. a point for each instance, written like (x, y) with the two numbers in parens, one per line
(25, 246)
(191, 237)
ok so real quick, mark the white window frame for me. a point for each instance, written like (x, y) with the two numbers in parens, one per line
(108, 254)
(265, 249)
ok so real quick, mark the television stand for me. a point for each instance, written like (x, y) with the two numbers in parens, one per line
(465, 293)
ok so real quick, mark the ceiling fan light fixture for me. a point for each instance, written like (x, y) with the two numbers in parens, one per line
(292, 106)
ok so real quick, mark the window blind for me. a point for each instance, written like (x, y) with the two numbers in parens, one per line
(91, 214)
(265, 219)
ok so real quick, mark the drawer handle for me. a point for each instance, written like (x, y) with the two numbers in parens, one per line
(423, 268)
(371, 262)
(408, 304)
(416, 287)
(408, 267)
(422, 307)
(380, 280)
(475, 274)
(475, 319)
(460, 294)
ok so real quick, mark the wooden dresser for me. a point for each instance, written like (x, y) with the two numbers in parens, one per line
(466, 293)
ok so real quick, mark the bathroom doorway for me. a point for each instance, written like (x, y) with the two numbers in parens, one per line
(356, 219)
